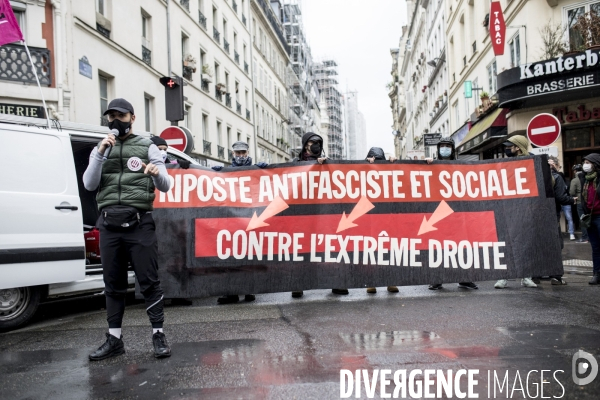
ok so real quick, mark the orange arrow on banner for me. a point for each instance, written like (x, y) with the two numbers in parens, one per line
(274, 208)
(441, 212)
(363, 207)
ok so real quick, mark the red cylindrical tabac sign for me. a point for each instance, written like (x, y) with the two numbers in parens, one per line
(497, 28)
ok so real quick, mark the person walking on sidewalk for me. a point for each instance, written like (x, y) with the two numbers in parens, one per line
(590, 201)
(377, 154)
(516, 147)
(575, 191)
(446, 151)
(127, 168)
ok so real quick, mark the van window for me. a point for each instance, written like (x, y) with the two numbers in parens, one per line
(35, 163)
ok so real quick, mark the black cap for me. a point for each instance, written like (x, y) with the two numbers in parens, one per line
(120, 105)
(157, 140)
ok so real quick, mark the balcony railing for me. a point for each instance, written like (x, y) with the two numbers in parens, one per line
(102, 30)
(238, 108)
(236, 57)
(246, 68)
(147, 55)
(234, 5)
(202, 19)
(218, 94)
(244, 19)
(226, 45)
(204, 86)
(216, 35)
(185, 4)
(15, 66)
(228, 100)
(248, 114)
(207, 148)
(104, 121)
(220, 152)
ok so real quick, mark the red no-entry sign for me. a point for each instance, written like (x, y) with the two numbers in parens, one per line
(176, 137)
(543, 130)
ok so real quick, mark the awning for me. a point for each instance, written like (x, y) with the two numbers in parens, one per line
(491, 126)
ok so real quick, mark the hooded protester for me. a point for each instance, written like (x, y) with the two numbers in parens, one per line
(377, 154)
(590, 202)
(241, 158)
(312, 148)
(162, 147)
(446, 150)
(575, 191)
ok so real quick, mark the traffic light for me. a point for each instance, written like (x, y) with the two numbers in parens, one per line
(173, 97)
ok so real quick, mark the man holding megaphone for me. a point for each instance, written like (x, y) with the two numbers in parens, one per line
(126, 169)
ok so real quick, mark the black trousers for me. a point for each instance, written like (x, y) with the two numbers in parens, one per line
(140, 247)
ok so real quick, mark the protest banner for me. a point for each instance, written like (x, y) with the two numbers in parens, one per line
(353, 224)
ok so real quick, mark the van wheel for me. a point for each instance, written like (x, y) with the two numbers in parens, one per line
(17, 306)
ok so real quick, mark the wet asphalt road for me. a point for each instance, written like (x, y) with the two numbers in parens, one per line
(283, 348)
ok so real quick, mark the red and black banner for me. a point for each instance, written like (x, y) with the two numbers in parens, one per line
(354, 224)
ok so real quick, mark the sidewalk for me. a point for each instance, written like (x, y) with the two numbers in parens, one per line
(577, 257)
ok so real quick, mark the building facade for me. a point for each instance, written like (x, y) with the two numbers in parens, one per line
(356, 128)
(269, 64)
(326, 77)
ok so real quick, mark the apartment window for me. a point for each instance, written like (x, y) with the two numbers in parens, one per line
(229, 137)
(103, 94)
(219, 140)
(148, 113)
(492, 72)
(475, 96)
(239, 136)
(101, 6)
(215, 24)
(514, 47)
(144, 26)
(456, 112)
(217, 73)
(224, 29)
(571, 15)
(202, 59)
(187, 122)
(205, 135)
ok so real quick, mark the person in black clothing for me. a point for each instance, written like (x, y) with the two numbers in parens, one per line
(312, 150)
(241, 158)
(163, 146)
(377, 154)
(561, 198)
(446, 151)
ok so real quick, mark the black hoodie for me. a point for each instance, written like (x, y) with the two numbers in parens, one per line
(376, 152)
(309, 157)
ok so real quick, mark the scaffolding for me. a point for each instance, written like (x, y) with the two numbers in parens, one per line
(325, 74)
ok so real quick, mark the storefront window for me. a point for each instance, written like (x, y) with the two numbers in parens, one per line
(596, 135)
(578, 138)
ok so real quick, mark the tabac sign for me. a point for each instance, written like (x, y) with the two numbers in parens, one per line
(497, 28)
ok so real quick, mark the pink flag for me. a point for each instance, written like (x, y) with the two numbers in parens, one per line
(9, 28)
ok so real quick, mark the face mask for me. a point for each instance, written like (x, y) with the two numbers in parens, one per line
(445, 151)
(122, 127)
(587, 168)
(240, 160)
(163, 153)
(509, 152)
(315, 148)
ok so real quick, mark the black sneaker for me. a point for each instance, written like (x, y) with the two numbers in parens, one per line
(595, 280)
(161, 347)
(232, 298)
(436, 286)
(537, 280)
(297, 294)
(249, 297)
(112, 347)
(339, 291)
(582, 241)
(467, 285)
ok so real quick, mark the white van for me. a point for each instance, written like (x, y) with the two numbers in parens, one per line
(44, 210)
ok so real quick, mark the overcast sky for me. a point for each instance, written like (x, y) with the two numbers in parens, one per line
(359, 34)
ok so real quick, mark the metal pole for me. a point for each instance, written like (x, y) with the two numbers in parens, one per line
(38, 83)
(169, 35)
